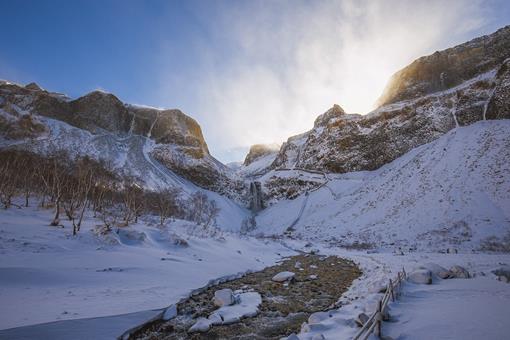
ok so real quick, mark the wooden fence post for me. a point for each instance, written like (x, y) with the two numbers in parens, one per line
(379, 319)
(391, 291)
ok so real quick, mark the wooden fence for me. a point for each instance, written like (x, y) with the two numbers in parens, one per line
(374, 322)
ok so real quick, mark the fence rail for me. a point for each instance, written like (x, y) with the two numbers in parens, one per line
(374, 322)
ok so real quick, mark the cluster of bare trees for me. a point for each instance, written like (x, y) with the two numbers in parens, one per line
(73, 186)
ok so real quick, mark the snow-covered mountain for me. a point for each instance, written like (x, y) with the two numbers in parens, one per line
(258, 160)
(98, 124)
(157, 148)
(452, 192)
(423, 101)
(430, 163)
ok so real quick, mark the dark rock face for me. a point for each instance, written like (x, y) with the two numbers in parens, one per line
(446, 69)
(418, 110)
(259, 150)
(99, 110)
(498, 106)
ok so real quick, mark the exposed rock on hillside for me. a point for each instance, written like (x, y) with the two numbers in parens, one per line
(179, 143)
(433, 95)
(446, 69)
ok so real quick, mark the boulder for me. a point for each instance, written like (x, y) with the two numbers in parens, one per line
(201, 325)
(318, 317)
(420, 276)
(283, 276)
(224, 297)
(215, 319)
(361, 319)
(503, 273)
(459, 272)
(170, 313)
(436, 270)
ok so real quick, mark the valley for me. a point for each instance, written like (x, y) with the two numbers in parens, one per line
(117, 221)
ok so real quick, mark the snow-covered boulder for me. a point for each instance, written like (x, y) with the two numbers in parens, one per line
(215, 319)
(459, 272)
(361, 319)
(436, 270)
(283, 276)
(170, 313)
(503, 273)
(202, 325)
(318, 317)
(224, 297)
(420, 276)
(313, 277)
(293, 336)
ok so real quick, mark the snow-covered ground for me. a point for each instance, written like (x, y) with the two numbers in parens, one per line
(46, 274)
(453, 309)
(447, 309)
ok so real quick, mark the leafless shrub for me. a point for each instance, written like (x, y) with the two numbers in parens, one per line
(166, 203)
(73, 185)
(202, 210)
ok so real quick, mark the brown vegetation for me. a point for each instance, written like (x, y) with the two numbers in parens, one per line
(74, 185)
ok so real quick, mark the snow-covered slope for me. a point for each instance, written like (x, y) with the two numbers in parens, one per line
(130, 156)
(117, 131)
(454, 191)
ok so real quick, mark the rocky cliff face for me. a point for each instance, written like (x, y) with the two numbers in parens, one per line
(449, 68)
(433, 95)
(178, 141)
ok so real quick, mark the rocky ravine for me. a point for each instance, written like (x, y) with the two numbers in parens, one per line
(423, 101)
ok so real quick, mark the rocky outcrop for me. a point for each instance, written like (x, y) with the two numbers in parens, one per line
(433, 95)
(449, 68)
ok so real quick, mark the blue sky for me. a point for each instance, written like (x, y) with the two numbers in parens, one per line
(248, 71)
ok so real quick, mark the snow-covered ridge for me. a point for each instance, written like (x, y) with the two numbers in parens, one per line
(452, 192)
(176, 139)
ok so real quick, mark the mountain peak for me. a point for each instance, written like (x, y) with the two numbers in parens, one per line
(334, 112)
(33, 86)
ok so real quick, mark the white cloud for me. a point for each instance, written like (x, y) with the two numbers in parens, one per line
(283, 63)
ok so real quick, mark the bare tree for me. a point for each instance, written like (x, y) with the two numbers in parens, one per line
(165, 203)
(201, 209)
(9, 177)
(132, 200)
